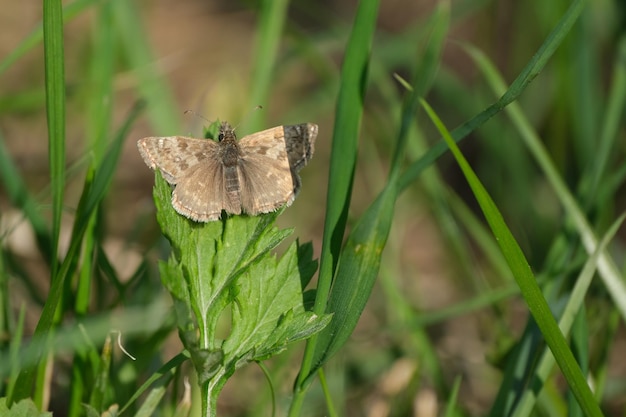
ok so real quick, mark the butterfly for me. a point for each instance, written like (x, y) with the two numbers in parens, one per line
(254, 175)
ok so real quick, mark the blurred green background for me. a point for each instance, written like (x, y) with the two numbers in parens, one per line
(445, 304)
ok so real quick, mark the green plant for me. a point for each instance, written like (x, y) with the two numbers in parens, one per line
(228, 265)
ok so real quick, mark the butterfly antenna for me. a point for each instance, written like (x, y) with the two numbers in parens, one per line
(257, 107)
(195, 113)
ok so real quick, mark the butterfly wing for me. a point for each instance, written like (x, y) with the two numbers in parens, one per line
(175, 155)
(299, 142)
(266, 170)
(193, 165)
(265, 177)
(201, 194)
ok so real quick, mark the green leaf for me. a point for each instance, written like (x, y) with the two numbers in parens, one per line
(160, 378)
(526, 76)
(55, 111)
(19, 195)
(276, 317)
(23, 408)
(70, 11)
(525, 279)
(161, 106)
(93, 193)
(354, 74)
(230, 264)
(360, 258)
(356, 275)
(271, 22)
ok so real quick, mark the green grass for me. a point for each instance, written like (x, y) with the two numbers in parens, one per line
(496, 288)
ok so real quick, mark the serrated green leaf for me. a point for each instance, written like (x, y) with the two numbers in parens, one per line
(229, 263)
(276, 314)
(208, 257)
(296, 327)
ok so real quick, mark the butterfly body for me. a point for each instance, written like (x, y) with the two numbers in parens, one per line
(257, 174)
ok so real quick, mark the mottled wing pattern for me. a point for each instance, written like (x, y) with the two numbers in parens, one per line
(176, 155)
(201, 194)
(300, 144)
(267, 165)
(265, 177)
(194, 166)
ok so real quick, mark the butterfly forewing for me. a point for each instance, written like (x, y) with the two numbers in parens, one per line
(265, 178)
(175, 155)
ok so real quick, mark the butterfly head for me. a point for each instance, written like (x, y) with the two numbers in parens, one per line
(226, 132)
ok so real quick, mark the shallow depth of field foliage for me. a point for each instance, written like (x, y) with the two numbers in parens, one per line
(457, 246)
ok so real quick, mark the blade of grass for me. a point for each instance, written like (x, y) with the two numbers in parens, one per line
(610, 128)
(574, 304)
(14, 350)
(451, 410)
(519, 360)
(150, 404)
(97, 132)
(525, 279)
(167, 370)
(55, 111)
(606, 266)
(69, 12)
(92, 195)
(603, 357)
(463, 308)
(586, 93)
(528, 74)
(359, 261)
(20, 197)
(356, 274)
(97, 128)
(132, 322)
(161, 107)
(327, 395)
(271, 24)
(579, 340)
(102, 377)
(342, 164)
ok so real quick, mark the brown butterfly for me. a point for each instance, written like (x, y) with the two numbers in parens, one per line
(257, 174)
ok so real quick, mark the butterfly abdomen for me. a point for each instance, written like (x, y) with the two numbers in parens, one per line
(230, 154)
